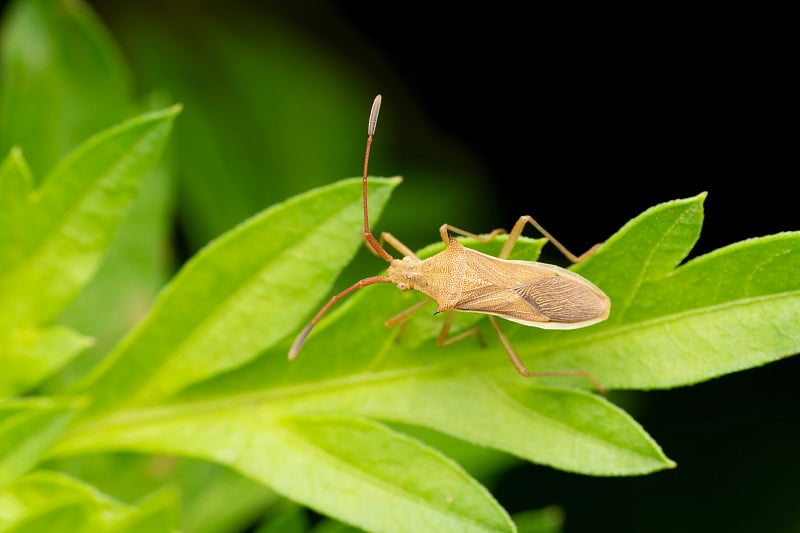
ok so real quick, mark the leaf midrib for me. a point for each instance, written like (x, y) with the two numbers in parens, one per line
(286, 394)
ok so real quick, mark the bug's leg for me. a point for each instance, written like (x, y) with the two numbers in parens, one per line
(400, 320)
(446, 228)
(443, 340)
(516, 231)
(517, 362)
(402, 317)
(395, 243)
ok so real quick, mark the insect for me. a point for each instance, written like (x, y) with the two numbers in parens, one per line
(461, 279)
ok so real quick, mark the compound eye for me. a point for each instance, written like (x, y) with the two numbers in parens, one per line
(403, 286)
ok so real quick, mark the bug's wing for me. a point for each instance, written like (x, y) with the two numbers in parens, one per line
(534, 294)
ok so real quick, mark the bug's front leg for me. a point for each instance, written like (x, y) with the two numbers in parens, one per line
(395, 243)
(446, 229)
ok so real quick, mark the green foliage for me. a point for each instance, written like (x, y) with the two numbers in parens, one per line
(195, 406)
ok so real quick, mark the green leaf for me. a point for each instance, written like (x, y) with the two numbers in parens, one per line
(323, 410)
(43, 498)
(735, 308)
(547, 520)
(287, 518)
(134, 269)
(75, 213)
(442, 497)
(239, 296)
(331, 526)
(158, 513)
(27, 428)
(410, 486)
(214, 498)
(63, 79)
(568, 429)
(297, 106)
(16, 182)
(73, 517)
(30, 355)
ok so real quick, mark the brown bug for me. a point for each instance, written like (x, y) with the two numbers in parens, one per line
(460, 279)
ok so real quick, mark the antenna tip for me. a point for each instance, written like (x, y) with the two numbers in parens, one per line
(373, 115)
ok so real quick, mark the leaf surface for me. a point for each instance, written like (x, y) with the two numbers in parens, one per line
(239, 296)
(326, 409)
(27, 428)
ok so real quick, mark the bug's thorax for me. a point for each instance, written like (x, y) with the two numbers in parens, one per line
(438, 276)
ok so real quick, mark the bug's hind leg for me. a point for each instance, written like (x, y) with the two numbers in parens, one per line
(517, 362)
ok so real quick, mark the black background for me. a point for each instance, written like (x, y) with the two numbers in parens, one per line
(617, 110)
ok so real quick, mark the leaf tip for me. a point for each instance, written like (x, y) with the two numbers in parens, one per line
(175, 109)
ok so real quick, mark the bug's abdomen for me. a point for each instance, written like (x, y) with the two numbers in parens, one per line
(562, 300)
(531, 293)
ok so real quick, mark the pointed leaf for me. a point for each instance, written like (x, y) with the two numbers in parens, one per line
(75, 214)
(239, 296)
(646, 248)
(735, 308)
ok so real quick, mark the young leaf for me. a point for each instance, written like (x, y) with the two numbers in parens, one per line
(74, 215)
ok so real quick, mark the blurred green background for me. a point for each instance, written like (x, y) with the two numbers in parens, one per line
(580, 119)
